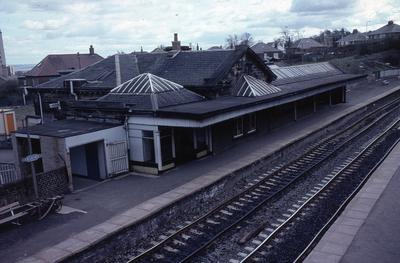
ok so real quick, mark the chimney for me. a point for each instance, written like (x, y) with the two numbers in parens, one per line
(91, 50)
(390, 22)
(176, 45)
(117, 71)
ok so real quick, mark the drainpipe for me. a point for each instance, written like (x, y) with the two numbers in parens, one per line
(71, 89)
(41, 107)
(126, 126)
(24, 94)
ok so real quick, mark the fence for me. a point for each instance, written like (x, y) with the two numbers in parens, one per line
(8, 175)
(389, 73)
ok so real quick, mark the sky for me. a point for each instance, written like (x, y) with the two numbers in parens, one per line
(34, 28)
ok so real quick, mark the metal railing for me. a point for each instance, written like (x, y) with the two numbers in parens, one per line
(8, 174)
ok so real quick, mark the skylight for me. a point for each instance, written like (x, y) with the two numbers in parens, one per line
(249, 86)
(146, 83)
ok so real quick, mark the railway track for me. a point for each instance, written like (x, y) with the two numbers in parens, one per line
(185, 242)
(325, 196)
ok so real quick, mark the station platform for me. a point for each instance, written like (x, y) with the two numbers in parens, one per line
(368, 230)
(103, 209)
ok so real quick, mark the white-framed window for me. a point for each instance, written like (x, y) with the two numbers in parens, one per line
(252, 123)
(238, 128)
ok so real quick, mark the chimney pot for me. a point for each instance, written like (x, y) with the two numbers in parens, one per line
(175, 36)
(91, 50)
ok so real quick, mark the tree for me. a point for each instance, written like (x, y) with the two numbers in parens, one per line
(246, 39)
(232, 41)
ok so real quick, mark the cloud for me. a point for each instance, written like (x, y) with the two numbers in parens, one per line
(59, 26)
(50, 24)
(310, 6)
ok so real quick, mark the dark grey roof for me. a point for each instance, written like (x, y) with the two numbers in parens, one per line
(290, 92)
(187, 68)
(354, 37)
(149, 92)
(306, 43)
(387, 29)
(261, 48)
(67, 128)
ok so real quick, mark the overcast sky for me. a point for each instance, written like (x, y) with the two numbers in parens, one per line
(34, 28)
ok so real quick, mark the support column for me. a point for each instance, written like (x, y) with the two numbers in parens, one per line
(157, 149)
(173, 143)
(194, 139)
(344, 94)
(295, 111)
(315, 104)
(210, 146)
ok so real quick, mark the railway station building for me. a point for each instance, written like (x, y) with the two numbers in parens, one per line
(172, 110)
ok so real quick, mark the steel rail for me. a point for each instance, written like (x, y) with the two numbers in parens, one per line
(318, 193)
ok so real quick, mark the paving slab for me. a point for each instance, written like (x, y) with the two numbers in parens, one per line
(368, 230)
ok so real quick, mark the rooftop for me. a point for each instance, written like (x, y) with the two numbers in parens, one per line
(187, 68)
(57, 64)
(249, 86)
(306, 43)
(66, 128)
(390, 27)
(149, 92)
(261, 47)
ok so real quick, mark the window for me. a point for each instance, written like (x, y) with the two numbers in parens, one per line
(238, 128)
(252, 123)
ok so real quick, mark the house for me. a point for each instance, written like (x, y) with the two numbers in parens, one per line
(151, 123)
(267, 52)
(56, 65)
(389, 31)
(356, 38)
(304, 46)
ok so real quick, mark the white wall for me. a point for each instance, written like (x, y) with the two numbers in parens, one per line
(115, 134)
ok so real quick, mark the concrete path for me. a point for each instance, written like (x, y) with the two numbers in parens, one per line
(368, 230)
(120, 202)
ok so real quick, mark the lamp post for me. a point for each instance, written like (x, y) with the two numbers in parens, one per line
(35, 186)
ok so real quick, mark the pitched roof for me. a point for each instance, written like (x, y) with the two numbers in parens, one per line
(187, 68)
(249, 86)
(306, 43)
(149, 92)
(146, 83)
(291, 74)
(354, 37)
(390, 27)
(53, 65)
(261, 47)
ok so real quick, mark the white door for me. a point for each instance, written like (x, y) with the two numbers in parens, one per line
(118, 154)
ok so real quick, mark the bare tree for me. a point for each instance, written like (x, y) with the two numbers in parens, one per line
(246, 39)
(232, 41)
